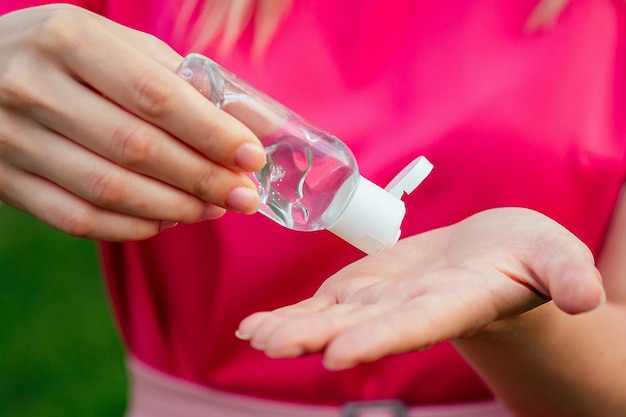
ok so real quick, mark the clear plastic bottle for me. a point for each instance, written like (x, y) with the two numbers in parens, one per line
(311, 179)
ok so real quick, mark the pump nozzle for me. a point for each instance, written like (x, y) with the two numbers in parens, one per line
(371, 221)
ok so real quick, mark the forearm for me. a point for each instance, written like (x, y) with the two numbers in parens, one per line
(548, 363)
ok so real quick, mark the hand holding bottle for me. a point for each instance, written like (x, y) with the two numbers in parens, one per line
(441, 285)
(99, 137)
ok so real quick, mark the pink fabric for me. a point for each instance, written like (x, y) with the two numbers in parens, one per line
(155, 394)
(507, 118)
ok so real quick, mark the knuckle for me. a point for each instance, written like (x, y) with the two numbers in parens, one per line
(154, 94)
(6, 132)
(108, 189)
(16, 87)
(5, 184)
(63, 28)
(62, 31)
(204, 183)
(134, 145)
(79, 222)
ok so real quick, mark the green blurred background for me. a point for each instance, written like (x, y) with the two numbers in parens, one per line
(60, 354)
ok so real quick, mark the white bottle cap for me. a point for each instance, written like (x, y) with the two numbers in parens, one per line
(371, 221)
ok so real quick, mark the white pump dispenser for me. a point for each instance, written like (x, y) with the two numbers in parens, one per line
(372, 217)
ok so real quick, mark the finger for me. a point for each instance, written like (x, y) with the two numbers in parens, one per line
(147, 44)
(257, 117)
(432, 313)
(114, 68)
(568, 272)
(288, 335)
(565, 267)
(577, 288)
(121, 137)
(412, 326)
(249, 325)
(368, 342)
(65, 211)
(102, 182)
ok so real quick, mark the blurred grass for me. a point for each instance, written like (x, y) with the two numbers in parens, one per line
(60, 354)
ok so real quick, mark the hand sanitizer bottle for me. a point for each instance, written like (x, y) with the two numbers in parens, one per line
(311, 179)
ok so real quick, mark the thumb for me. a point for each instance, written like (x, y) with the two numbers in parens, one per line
(576, 287)
(566, 268)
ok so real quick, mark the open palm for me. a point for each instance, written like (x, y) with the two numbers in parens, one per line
(439, 285)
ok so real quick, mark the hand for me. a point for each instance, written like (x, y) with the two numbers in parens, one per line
(99, 137)
(440, 285)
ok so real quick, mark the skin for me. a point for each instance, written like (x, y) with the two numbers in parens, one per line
(507, 286)
(101, 139)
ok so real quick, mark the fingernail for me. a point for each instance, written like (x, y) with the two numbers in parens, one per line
(336, 366)
(250, 157)
(243, 200)
(256, 345)
(240, 335)
(211, 212)
(165, 224)
(291, 352)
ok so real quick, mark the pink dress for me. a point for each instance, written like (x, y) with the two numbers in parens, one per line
(507, 118)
